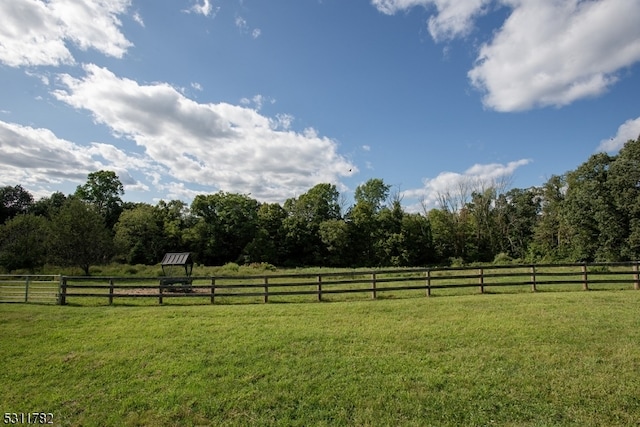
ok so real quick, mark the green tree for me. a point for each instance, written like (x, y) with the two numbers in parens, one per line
(303, 243)
(268, 243)
(624, 186)
(596, 225)
(481, 213)
(417, 242)
(79, 236)
(139, 236)
(23, 242)
(374, 192)
(551, 239)
(387, 235)
(103, 190)
(334, 234)
(14, 201)
(176, 219)
(48, 206)
(225, 224)
(516, 215)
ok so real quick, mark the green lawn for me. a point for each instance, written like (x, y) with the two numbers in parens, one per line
(547, 358)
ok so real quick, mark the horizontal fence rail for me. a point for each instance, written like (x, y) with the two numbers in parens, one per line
(345, 285)
(44, 289)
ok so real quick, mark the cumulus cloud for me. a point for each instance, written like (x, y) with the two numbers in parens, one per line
(38, 158)
(452, 19)
(36, 33)
(554, 53)
(628, 130)
(478, 176)
(546, 53)
(220, 146)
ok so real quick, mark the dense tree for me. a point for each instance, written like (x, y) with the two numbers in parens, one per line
(48, 206)
(334, 234)
(374, 192)
(225, 224)
(139, 236)
(516, 216)
(103, 190)
(483, 244)
(596, 225)
(79, 236)
(268, 244)
(14, 201)
(23, 242)
(175, 219)
(624, 187)
(551, 231)
(305, 213)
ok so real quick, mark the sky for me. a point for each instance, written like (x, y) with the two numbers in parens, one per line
(269, 98)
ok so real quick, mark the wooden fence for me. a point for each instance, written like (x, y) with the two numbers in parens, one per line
(44, 289)
(363, 284)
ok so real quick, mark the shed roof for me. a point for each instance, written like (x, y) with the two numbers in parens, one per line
(177, 258)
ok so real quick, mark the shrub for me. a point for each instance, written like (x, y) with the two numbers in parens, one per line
(230, 266)
(456, 262)
(503, 258)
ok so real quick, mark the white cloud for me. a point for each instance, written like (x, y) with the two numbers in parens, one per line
(546, 53)
(37, 158)
(453, 18)
(137, 18)
(243, 26)
(205, 8)
(628, 130)
(35, 33)
(366, 147)
(221, 146)
(241, 23)
(461, 184)
(554, 53)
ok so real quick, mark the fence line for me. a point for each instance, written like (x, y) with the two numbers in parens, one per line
(328, 286)
(29, 288)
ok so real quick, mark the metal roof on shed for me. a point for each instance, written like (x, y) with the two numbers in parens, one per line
(177, 258)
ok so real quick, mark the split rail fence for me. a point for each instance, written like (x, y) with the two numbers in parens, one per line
(346, 285)
(44, 289)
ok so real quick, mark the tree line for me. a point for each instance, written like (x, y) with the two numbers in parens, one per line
(589, 214)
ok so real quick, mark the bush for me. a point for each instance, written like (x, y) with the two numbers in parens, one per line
(456, 262)
(230, 266)
(503, 258)
(262, 266)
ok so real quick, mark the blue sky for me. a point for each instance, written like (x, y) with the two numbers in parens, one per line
(270, 98)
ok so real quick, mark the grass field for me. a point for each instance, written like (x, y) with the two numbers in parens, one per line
(524, 359)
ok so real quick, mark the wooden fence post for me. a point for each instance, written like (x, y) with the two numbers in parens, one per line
(62, 292)
(585, 277)
(213, 289)
(373, 286)
(428, 274)
(266, 289)
(110, 291)
(481, 280)
(533, 278)
(160, 294)
(636, 276)
(319, 287)
(26, 290)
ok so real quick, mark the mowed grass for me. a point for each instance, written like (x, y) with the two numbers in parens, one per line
(538, 359)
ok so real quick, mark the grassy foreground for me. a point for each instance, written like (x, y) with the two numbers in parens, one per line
(568, 358)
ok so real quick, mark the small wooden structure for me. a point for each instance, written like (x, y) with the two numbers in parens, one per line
(173, 265)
